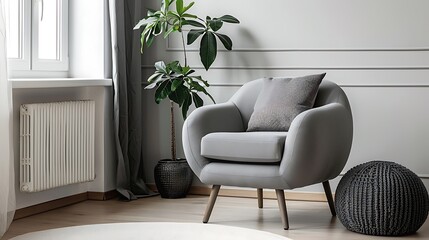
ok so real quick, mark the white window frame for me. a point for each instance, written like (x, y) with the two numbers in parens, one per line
(23, 61)
(29, 60)
(61, 63)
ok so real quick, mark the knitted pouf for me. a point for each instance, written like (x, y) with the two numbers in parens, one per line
(381, 198)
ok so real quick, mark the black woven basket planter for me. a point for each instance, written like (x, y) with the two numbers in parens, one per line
(381, 198)
(173, 178)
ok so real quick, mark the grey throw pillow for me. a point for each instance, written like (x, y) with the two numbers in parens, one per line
(281, 100)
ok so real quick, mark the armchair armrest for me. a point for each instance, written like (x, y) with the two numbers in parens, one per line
(224, 117)
(317, 146)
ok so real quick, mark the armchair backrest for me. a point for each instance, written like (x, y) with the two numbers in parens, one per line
(330, 92)
(245, 97)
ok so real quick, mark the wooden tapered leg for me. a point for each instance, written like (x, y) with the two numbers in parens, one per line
(282, 206)
(329, 197)
(210, 204)
(260, 198)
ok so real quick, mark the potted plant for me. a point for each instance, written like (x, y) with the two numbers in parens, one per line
(177, 81)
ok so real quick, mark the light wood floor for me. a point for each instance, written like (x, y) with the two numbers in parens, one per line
(308, 220)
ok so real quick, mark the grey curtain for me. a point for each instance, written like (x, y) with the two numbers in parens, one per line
(126, 74)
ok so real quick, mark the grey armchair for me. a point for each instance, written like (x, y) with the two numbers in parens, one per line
(314, 150)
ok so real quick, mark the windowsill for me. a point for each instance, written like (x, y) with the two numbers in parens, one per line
(59, 82)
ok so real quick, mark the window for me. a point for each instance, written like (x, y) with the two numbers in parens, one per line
(37, 35)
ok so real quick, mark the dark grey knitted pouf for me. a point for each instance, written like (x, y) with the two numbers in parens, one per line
(381, 198)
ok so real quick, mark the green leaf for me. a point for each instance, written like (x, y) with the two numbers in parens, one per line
(193, 35)
(188, 7)
(187, 15)
(175, 66)
(150, 86)
(197, 100)
(173, 15)
(144, 22)
(193, 23)
(197, 86)
(157, 29)
(199, 78)
(208, 49)
(189, 72)
(148, 31)
(150, 12)
(176, 83)
(149, 28)
(160, 66)
(164, 25)
(142, 40)
(186, 70)
(179, 95)
(166, 4)
(154, 77)
(215, 24)
(210, 96)
(179, 7)
(226, 41)
(150, 39)
(174, 96)
(229, 19)
(162, 91)
(155, 83)
(201, 89)
(185, 107)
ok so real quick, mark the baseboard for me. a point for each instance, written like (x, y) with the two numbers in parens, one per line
(47, 206)
(62, 202)
(195, 190)
(251, 193)
(102, 196)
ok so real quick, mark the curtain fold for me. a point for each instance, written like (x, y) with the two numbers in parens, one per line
(7, 185)
(126, 74)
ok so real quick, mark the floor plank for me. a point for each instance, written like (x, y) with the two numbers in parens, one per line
(308, 220)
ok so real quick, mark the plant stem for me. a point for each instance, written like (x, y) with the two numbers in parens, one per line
(184, 48)
(173, 132)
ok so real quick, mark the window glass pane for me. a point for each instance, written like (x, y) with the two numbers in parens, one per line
(48, 29)
(13, 28)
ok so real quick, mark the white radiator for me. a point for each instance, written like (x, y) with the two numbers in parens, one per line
(56, 144)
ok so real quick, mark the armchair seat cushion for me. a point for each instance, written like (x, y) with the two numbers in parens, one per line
(250, 147)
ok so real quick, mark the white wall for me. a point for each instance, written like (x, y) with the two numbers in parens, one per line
(90, 57)
(99, 95)
(88, 50)
(86, 37)
(378, 51)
